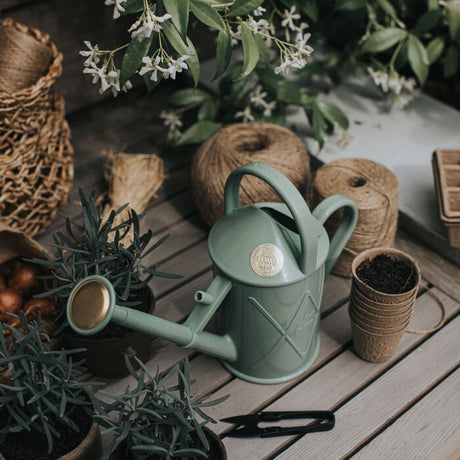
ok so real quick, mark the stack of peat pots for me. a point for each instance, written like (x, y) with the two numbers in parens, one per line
(379, 318)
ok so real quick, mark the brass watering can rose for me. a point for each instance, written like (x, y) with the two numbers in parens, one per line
(270, 261)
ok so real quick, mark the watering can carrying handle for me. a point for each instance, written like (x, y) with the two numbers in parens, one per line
(323, 211)
(290, 195)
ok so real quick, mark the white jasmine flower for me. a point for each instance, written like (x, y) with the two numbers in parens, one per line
(117, 9)
(301, 41)
(173, 122)
(176, 66)
(269, 107)
(257, 97)
(289, 18)
(150, 66)
(148, 23)
(113, 80)
(380, 78)
(262, 26)
(99, 74)
(235, 36)
(91, 54)
(245, 115)
(283, 68)
(259, 11)
(127, 86)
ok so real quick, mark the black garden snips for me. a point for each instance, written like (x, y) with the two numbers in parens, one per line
(248, 425)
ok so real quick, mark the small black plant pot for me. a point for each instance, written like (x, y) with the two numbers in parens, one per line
(105, 353)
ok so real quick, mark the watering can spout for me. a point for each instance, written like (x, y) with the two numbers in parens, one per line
(91, 306)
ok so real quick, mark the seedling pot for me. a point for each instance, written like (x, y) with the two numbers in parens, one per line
(372, 347)
(380, 321)
(378, 296)
(385, 329)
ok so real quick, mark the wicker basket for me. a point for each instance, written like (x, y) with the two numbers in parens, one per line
(36, 157)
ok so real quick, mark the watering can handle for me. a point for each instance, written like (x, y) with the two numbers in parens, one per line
(324, 210)
(290, 195)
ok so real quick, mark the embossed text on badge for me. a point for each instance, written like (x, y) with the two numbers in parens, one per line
(267, 260)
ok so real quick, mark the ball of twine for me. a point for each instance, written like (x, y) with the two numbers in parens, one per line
(23, 58)
(236, 145)
(374, 189)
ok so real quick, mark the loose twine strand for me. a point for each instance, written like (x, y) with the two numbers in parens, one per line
(443, 313)
(239, 144)
(365, 182)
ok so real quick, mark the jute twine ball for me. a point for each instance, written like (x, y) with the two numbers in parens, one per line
(374, 189)
(36, 157)
(236, 145)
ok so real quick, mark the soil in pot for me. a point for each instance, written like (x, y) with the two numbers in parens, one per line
(388, 275)
(105, 350)
(33, 445)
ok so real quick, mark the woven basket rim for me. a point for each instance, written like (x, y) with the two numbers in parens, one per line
(45, 81)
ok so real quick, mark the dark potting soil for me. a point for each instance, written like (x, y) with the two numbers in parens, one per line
(115, 330)
(33, 445)
(384, 274)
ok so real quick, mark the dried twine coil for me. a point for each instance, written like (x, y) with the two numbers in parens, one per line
(36, 157)
(236, 145)
(374, 189)
(133, 178)
(23, 58)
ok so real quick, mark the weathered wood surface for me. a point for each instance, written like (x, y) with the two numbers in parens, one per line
(425, 430)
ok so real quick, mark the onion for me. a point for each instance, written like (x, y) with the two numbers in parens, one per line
(23, 276)
(10, 302)
(3, 283)
(46, 307)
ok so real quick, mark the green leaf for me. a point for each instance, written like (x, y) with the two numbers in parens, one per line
(387, 7)
(451, 62)
(184, 48)
(207, 14)
(433, 5)
(418, 58)
(132, 6)
(350, 5)
(188, 96)
(434, 49)
(310, 9)
(199, 132)
(319, 125)
(241, 7)
(334, 114)
(250, 50)
(402, 57)
(179, 10)
(454, 22)
(132, 59)
(223, 52)
(428, 20)
(208, 110)
(383, 39)
(264, 51)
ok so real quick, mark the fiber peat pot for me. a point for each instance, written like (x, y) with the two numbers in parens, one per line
(217, 449)
(105, 351)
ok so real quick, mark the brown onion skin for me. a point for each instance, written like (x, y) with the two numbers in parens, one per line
(3, 282)
(46, 307)
(23, 277)
(10, 302)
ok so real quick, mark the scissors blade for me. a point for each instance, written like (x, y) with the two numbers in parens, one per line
(240, 419)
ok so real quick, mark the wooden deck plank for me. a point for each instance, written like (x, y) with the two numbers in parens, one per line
(387, 396)
(337, 381)
(423, 430)
(435, 268)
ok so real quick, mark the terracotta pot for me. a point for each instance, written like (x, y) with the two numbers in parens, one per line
(218, 451)
(89, 449)
(373, 294)
(105, 357)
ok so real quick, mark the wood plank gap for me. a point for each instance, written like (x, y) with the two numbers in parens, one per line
(403, 410)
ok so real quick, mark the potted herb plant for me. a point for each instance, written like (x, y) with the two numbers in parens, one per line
(158, 419)
(45, 411)
(114, 249)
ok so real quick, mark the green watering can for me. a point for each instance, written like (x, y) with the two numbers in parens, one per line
(270, 261)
